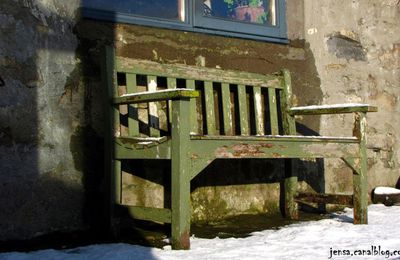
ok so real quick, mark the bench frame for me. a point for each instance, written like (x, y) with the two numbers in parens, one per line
(191, 153)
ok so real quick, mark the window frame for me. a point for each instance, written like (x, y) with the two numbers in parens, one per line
(195, 21)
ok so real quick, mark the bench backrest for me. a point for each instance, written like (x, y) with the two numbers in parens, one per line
(230, 103)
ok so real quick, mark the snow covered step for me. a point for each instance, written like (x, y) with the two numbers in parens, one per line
(387, 195)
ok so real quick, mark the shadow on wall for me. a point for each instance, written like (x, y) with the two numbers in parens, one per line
(51, 157)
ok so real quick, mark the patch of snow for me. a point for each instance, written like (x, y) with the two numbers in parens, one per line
(303, 240)
(145, 143)
(386, 190)
(329, 106)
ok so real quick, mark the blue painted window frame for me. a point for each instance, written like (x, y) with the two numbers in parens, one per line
(195, 21)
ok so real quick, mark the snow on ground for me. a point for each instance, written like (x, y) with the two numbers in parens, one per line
(303, 240)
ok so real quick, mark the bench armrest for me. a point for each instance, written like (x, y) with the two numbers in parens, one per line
(332, 109)
(159, 95)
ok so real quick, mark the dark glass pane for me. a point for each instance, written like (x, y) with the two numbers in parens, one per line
(252, 11)
(166, 9)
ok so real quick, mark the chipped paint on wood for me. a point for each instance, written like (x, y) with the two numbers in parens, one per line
(339, 199)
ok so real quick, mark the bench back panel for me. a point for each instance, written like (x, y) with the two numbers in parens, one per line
(230, 102)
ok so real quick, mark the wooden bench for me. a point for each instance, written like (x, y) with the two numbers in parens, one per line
(196, 114)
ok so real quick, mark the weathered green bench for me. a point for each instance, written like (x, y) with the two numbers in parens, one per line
(213, 113)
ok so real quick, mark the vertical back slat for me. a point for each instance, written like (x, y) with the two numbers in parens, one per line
(289, 124)
(133, 123)
(190, 84)
(258, 111)
(209, 102)
(153, 108)
(226, 109)
(273, 111)
(171, 84)
(243, 115)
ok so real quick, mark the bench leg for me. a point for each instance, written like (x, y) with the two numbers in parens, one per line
(360, 198)
(180, 199)
(291, 208)
(180, 180)
(360, 183)
(115, 197)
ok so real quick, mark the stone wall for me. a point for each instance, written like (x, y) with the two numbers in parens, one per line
(356, 45)
(51, 173)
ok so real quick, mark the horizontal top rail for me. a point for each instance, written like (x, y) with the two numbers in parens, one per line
(145, 67)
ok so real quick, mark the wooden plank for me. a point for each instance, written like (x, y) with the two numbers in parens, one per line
(146, 67)
(133, 123)
(286, 138)
(226, 109)
(171, 84)
(338, 199)
(151, 214)
(360, 178)
(209, 103)
(258, 110)
(158, 95)
(194, 128)
(332, 109)
(124, 149)
(273, 111)
(243, 113)
(117, 181)
(289, 124)
(290, 190)
(226, 149)
(112, 126)
(289, 128)
(154, 123)
(180, 175)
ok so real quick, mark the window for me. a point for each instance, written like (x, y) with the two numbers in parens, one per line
(255, 19)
